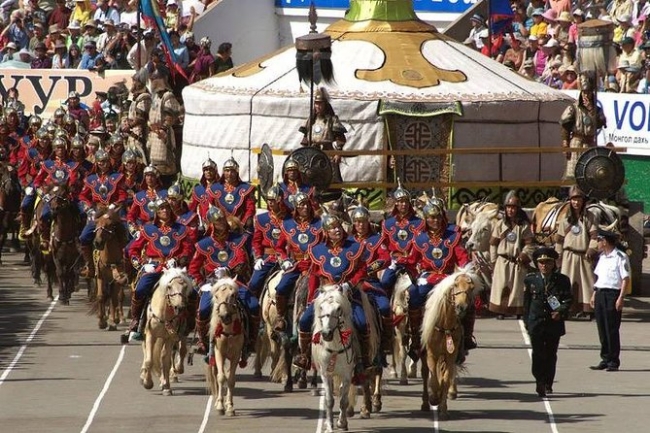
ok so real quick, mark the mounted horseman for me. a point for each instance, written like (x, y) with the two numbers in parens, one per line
(12, 144)
(433, 255)
(337, 259)
(60, 170)
(376, 258)
(292, 183)
(298, 234)
(27, 172)
(143, 208)
(200, 201)
(162, 243)
(398, 231)
(101, 189)
(132, 169)
(267, 228)
(224, 249)
(234, 196)
(184, 215)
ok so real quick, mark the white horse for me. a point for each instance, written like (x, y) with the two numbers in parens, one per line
(468, 212)
(226, 343)
(478, 244)
(399, 304)
(165, 327)
(333, 351)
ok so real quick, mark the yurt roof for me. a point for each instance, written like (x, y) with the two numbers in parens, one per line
(381, 50)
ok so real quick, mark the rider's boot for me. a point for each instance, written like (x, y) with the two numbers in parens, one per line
(45, 237)
(25, 221)
(88, 270)
(387, 334)
(192, 311)
(253, 332)
(366, 360)
(303, 359)
(137, 305)
(281, 302)
(202, 328)
(468, 329)
(415, 321)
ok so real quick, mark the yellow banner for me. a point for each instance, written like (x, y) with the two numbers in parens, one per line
(43, 91)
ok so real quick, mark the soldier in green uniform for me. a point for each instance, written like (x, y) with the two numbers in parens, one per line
(547, 300)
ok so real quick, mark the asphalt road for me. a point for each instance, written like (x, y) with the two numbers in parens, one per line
(59, 373)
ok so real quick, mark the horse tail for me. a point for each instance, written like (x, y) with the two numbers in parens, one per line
(211, 379)
(277, 375)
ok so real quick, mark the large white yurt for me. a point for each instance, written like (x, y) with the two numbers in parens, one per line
(398, 84)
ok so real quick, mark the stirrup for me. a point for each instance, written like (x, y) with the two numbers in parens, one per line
(301, 361)
(135, 336)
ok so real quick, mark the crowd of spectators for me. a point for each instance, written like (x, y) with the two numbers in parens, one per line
(103, 34)
(544, 41)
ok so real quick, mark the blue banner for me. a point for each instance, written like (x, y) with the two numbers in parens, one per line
(440, 6)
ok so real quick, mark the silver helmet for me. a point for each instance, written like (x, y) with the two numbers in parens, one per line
(400, 192)
(214, 214)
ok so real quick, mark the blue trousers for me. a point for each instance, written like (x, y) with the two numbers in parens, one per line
(27, 205)
(87, 234)
(379, 297)
(358, 318)
(388, 279)
(256, 284)
(245, 296)
(145, 285)
(287, 283)
(418, 295)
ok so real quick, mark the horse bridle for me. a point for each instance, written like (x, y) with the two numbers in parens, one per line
(339, 325)
(451, 299)
(169, 296)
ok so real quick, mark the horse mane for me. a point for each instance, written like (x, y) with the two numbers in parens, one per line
(436, 301)
(398, 293)
(332, 293)
(169, 274)
(228, 282)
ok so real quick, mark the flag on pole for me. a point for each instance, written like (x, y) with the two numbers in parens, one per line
(501, 16)
(152, 18)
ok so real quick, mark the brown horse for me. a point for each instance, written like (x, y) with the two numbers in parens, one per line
(63, 243)
(110, 277)
(10, 193)
(442, 333)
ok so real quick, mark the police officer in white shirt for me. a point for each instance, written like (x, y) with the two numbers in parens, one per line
(612, 277)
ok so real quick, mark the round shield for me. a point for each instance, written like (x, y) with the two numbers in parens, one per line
(265, 168)
(599, 172)
(315, 166)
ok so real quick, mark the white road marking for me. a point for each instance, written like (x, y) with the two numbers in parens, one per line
(22, 349)
(547, 404)
(107, 384)
(321, 411)
(206, 415)
(436, 423)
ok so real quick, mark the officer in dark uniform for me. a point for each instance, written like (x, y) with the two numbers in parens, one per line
(547, 300)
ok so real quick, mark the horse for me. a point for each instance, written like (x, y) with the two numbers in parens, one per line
(335, 348)
(399, 303)
(279, 346)
(165, 327)
(63, 241)
(10, 194)
(110, 278)
(226, 343)
(442, 333)
(468, 212)
(549, 213)
(478, 243)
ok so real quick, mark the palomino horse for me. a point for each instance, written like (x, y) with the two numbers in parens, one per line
(110, 278)
(399, 304)
(165, 327)
(335, 349)
(468, 211)
(63, 242)
(442, 333)
(226, 343)
(478, 243)
(10, 193)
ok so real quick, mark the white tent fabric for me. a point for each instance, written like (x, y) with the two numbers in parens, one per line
(239, 111)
